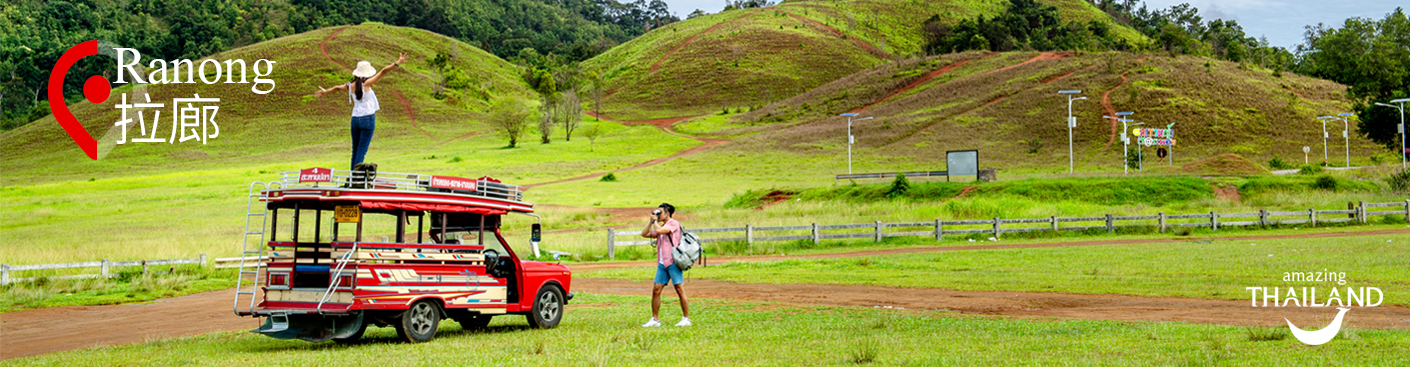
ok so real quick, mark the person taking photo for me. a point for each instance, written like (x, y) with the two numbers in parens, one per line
(667, 232)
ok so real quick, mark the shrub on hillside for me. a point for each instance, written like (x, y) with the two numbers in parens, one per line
(1325, 182)
(899, 187)
(1278, 163)
(1400, 181)
(609, 177)
(1310, 170)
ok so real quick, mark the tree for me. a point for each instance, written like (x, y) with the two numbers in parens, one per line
(592, 133)
(570, 111)
(1370, 56)
(511, 117)
(596, 90)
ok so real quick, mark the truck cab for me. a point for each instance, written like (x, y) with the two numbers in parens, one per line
(442, 255)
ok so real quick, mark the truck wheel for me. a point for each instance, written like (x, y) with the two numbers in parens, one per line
(419, 322)
(548, 308)
(475, 322)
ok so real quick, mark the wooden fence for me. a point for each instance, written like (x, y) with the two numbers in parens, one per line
(996, 227)
(106, 266)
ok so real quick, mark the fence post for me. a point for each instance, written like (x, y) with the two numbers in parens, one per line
(203, 260)
(996, 227)
(1161, 217)
(939, 230)
(1361, 212)
(105, 268)
(144, 267)
(1109, 227)
(1407, 210)
(1213, 221)
(1313, 216)
(611, 244)
(4, 274)
(1263, 217)
(1352, 207)
(878, 231)
(749, 235)
(817, 238)
(1054, 220)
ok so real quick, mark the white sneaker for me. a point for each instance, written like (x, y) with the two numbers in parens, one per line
(684, 322)
(652, 323)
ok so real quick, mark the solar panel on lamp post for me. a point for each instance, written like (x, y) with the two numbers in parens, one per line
(1345, 134)
(1071, 123)
(850, 139)
(1125, 142)
(1399, 128)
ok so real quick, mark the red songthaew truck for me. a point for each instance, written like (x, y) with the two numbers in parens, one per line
(335, 284)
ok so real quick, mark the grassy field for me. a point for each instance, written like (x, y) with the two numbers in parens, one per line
(602, 330)
(1215, 268)
(127, 286)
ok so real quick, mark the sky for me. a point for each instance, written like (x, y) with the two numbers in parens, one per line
(1282, 21)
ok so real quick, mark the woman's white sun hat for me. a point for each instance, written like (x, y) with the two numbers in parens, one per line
(364, 70)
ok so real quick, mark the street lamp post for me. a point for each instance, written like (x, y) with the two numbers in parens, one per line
(1400, 128)
(1125, 142)
(1071, 123)
(851, 139)
(1325, 158)
(1170, 149)
(1345, 134)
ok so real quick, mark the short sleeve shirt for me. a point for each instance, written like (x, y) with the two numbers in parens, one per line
(667, 242)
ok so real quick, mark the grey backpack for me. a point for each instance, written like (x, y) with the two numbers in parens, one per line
(688, 251)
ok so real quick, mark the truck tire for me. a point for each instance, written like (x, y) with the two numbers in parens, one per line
(548, 308)
(419, 323)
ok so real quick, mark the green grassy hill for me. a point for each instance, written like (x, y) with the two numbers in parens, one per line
(753, 57)
(1007, 106)
(287, 122)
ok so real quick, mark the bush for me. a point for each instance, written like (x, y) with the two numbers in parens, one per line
(899, 187)
(1278, 163)
(1399, 182)
(609, 177)
(1325, 182)
(1310, 170)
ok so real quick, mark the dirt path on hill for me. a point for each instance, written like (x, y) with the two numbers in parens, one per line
(692, 38)
(1039, 57)
(666, 125)
(33, 332)
(913, 84)
(1111, 110)
(865, 46)
(401, 100)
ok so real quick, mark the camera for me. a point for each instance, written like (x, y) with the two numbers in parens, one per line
(656, 212)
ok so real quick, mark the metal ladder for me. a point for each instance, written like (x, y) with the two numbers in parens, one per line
(248, 267)
(333, 283)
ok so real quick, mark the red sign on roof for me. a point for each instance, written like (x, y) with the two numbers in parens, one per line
(316, 174)
(453, 183)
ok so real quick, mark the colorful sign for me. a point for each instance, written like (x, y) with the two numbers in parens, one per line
(316, 174)
(453, 183)
(1149, 137)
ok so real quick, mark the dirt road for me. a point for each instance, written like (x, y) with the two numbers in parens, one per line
(34, 332)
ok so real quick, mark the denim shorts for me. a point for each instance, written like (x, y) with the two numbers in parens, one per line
(674, 273)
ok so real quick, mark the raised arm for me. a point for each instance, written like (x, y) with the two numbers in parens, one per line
(322, 91)
(385, 69)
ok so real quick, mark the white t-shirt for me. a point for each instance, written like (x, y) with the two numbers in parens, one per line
(365, 106)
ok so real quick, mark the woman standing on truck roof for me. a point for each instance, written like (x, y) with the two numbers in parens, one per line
(364, 104)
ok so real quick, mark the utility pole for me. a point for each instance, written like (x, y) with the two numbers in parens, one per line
(1400, 128)
(1125, 142)
(850, 138)
(1071, 123)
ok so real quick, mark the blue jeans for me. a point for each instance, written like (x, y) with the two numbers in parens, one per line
(362, 127)
(669, 273)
